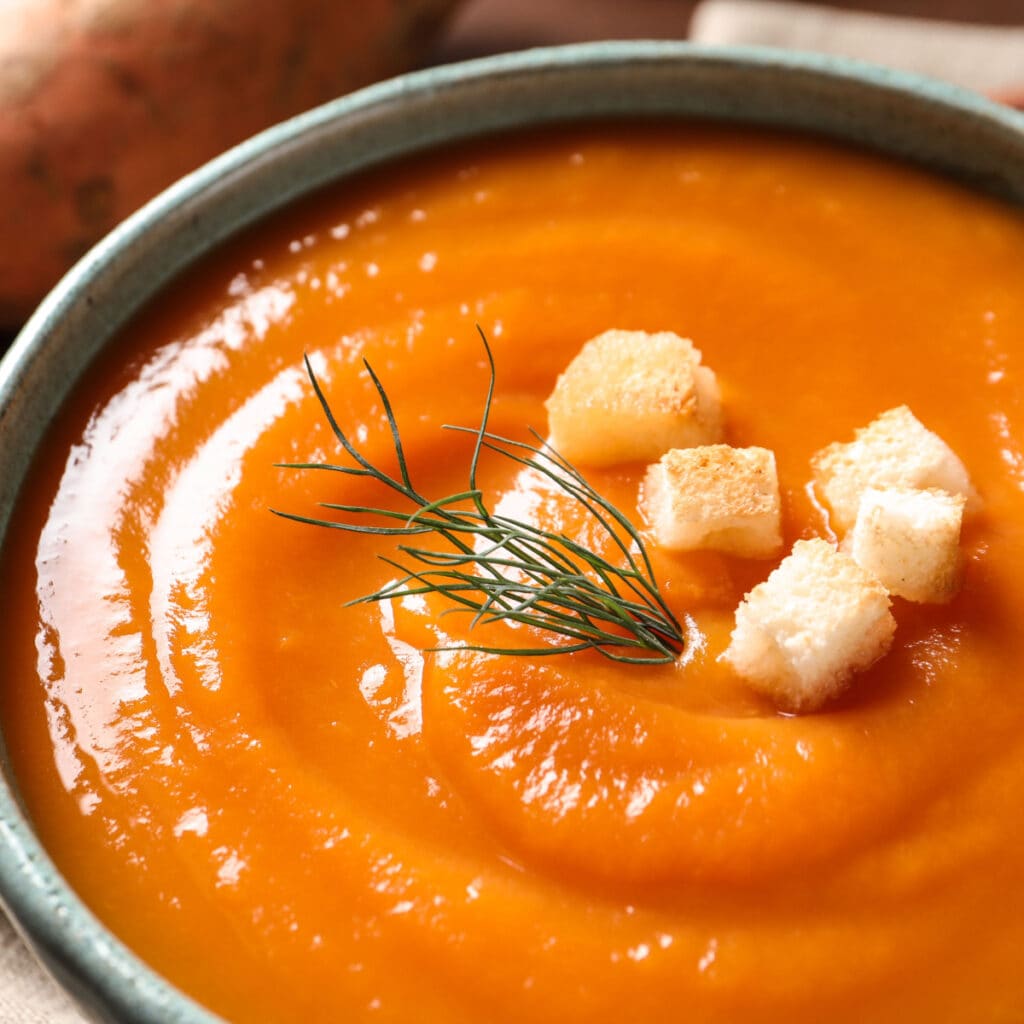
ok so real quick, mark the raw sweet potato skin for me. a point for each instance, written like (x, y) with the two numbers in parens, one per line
(105, 102)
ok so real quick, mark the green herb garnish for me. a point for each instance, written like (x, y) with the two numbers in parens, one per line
(497, 568)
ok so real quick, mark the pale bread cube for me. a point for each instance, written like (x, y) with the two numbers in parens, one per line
(910, 540)
(816, 620)
(629, 396)
(894, 450)
(717, 497)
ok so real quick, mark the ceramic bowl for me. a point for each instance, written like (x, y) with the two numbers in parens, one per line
(945, 129)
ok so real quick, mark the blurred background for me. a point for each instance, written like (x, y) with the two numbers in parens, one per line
(103, 103)
(488, 26)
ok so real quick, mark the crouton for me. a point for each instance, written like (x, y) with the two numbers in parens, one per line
(895, 450)
(816, 620)
(630, 396)
(717, 497)
(910, 540)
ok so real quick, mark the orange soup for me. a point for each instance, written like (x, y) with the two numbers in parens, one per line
(297, 812)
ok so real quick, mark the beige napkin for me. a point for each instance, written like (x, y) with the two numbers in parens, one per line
(27, 993)
(987, 59)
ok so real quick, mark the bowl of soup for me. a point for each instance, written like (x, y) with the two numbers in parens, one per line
(232, 793)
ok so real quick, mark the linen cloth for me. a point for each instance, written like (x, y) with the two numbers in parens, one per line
(987, 59)
(27, 995)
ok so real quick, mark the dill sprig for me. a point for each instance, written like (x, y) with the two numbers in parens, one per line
(501, 569)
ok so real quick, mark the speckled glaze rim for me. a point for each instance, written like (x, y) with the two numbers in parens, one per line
(940, 126)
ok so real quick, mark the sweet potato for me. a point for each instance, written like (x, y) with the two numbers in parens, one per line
(104, 102)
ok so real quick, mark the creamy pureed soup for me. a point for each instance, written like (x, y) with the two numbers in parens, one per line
(294, 813)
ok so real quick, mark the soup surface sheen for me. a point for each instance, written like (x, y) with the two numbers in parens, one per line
(287, 808)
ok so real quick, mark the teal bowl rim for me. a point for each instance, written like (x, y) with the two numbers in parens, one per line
(849, 100)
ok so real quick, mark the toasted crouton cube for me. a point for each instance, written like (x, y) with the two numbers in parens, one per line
(816, 620)
(717, 497)
(910, 540)
(630, 396)
(894, 450)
